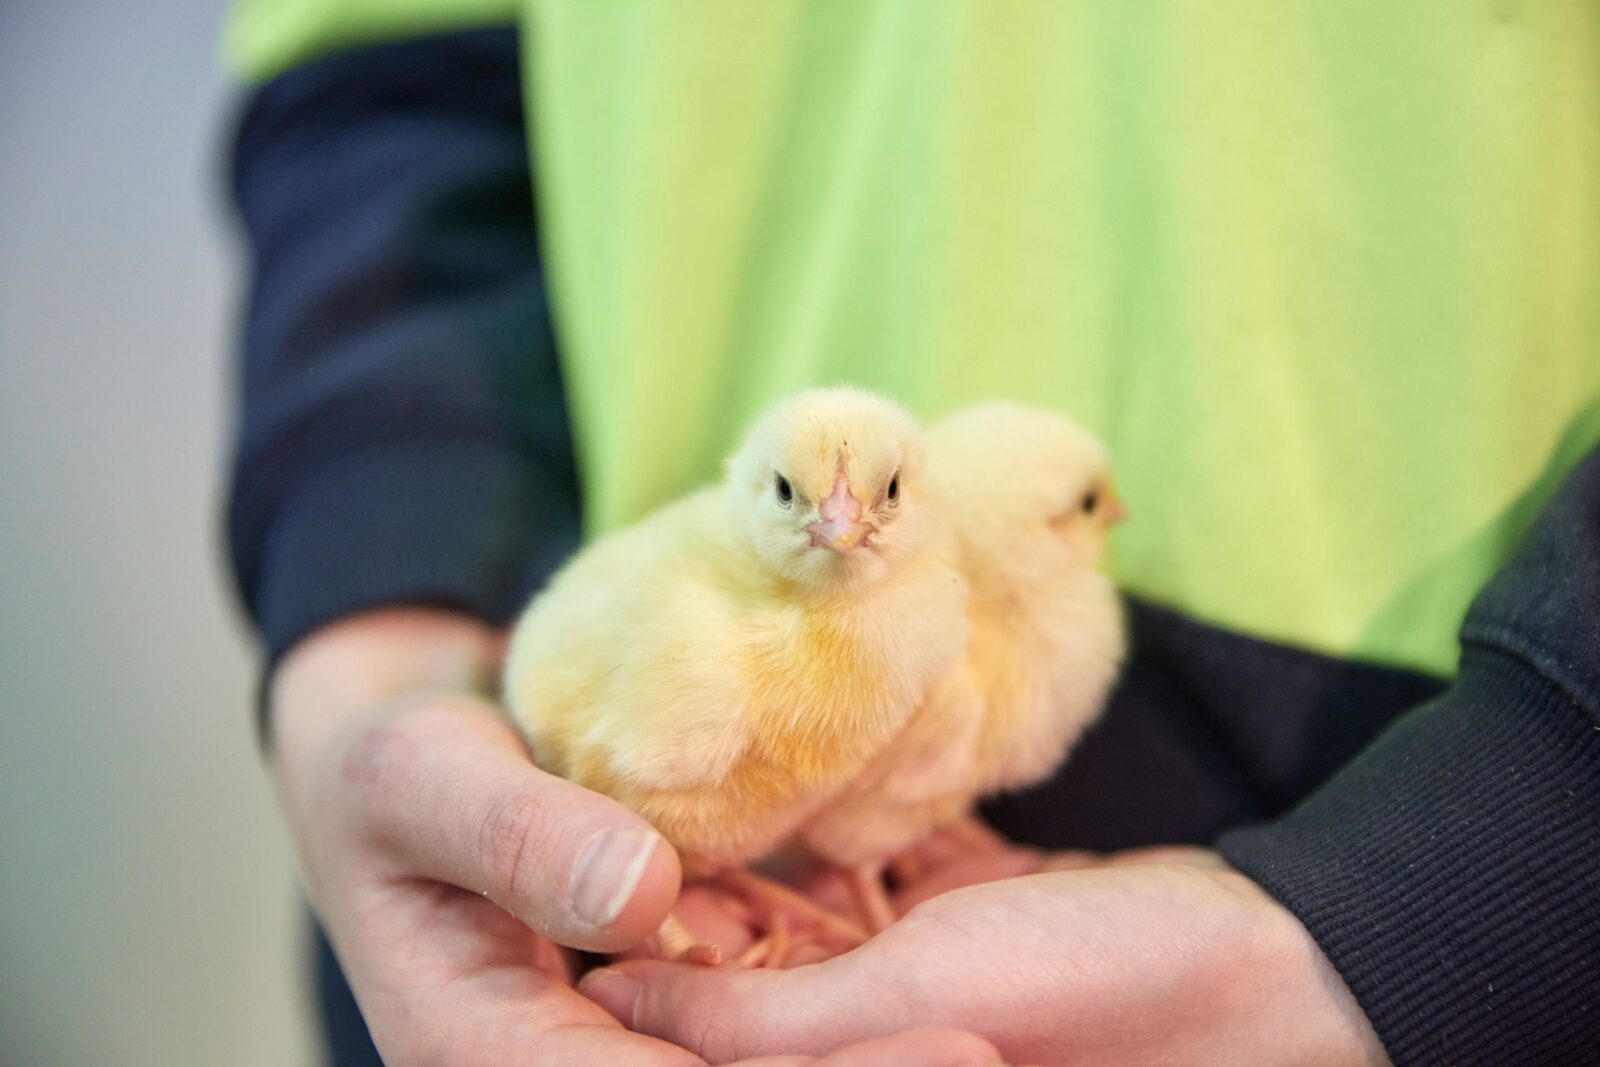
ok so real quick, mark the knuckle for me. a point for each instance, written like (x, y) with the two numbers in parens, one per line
(724, 1027)
(711, 1035)
(511, 840)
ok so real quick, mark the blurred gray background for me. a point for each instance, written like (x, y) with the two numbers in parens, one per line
(147, 905)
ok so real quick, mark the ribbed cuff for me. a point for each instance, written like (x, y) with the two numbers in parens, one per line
(1451, 873)
(460, 523)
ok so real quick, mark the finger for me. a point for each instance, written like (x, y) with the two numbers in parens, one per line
(518, 1044)
(976, 959)
(917, 1048)
(758, 1013)
(730, 1013)
(592, 1046)
(449, 792)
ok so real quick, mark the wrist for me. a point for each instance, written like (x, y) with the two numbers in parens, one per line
(1311, 999)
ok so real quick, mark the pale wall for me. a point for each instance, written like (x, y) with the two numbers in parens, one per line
(147, 909)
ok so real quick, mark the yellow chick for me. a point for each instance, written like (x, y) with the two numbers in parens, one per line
(1029, 499)
(728, 664)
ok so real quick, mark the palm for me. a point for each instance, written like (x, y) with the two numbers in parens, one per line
(1156, 956)
(491, 990)
(1067, 958)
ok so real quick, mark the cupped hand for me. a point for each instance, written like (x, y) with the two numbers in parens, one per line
(447, 869)
(442, 862)
(1162, 956)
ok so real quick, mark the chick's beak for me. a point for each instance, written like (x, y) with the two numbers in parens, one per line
(839, 526)
(1116, 510)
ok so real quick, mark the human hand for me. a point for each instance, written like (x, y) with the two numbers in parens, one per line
(446, 867)
(1161, 956)
(425, 835)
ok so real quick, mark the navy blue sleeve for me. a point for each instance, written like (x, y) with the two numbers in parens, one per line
(1452, 871)
(402, 433)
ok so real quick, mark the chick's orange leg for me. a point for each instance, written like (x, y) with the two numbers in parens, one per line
(771, 949)
(780, 941)
(771, 899)
(802, 947)
(677, 943)
(759, 954)
(866, 885)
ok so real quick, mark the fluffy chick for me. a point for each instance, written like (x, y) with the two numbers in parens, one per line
(728, 664)
(1029, 499)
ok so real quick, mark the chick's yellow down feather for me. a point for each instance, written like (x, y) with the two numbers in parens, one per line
(1028, 497)
(728, 664)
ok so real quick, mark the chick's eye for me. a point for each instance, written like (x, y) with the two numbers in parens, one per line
(1090, 499)
(784, 489)
(894, 489)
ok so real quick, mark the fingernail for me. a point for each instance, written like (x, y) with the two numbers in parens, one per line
(614, 991)
(608, 871)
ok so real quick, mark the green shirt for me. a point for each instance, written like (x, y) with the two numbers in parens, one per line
(1325, 276)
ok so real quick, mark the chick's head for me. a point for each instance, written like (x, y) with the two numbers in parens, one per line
(1026, 490)
(826, 488)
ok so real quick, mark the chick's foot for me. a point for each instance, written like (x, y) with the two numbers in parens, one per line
(773, 949)
(771, 900)
(677, 943)
(872, 897)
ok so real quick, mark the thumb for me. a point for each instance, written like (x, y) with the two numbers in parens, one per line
(728, 1013)
(449, 791)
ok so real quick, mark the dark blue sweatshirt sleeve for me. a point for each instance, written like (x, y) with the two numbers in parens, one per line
(402, 431)
(1452, 871)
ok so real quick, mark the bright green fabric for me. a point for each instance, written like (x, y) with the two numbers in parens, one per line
(266, 37)
(1326, 276)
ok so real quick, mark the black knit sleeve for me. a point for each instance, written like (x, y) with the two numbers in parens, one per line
(402, 433)
(1452, 871)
